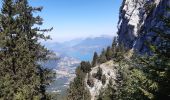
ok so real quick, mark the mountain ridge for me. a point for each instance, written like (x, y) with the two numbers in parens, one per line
(138, 19)
(81, 49)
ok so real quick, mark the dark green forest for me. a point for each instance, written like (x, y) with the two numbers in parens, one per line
(21, 76)
(140, 76)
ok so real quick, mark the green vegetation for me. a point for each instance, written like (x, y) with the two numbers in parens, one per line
(149, 7)
(103, 78)
(109, 53)
(95, 59)
(21, 77)
(85, 66)
(107, 94)
(78, 89)
(102, 58)
(138, 77)
(99, 74)
(143, 77)
(90, 81)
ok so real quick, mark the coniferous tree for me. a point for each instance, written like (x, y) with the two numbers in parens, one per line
(85, 66)
(21, 77)
(109, 53)
(157, 67)
(90, 80)
(78, 89)
(114, 44)
(120, 52)
(103, 79)
(99, 73)
(149, 79)
(95, 58)
(102, 58)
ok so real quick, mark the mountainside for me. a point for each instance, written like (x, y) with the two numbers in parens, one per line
(108, 70)
(69, 54)
(142, 23)
(137, 20)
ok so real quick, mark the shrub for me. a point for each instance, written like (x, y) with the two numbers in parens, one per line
(103, 78)
(99, 74)
(90, 81)
(85, 66)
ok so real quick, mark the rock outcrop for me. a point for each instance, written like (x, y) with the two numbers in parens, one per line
(138, 25)
(109, 71)
(137, 20)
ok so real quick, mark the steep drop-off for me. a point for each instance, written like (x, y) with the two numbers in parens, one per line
(138, 24)
(137, 20)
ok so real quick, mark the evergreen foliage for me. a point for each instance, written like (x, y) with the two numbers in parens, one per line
(109, 53)
(21, 77)
(85, 66)
(78, 89)
(99, 73)
(90, 81)
(140, 77)
(157, 67)
(103, 79)
(114, 46)
(102, 58)
(154, 80)
(145, 77)
(95, 58)
(107, 94)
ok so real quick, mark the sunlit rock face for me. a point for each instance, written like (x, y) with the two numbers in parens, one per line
(132, 16)
(109, 70)
(137, 20)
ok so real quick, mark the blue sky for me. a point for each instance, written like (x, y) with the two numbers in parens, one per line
(79, 18)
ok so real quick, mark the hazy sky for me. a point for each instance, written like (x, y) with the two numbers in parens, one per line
(79, 18)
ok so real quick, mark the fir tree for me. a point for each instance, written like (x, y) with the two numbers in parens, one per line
(85, 66)
(149, 79)
(90, 80)
(157, 66)
(21, 77)
(99, 73)
(95, 58)
(114, 44)
(78, 89)
(103, 79)
(109, 53)
(102, 58)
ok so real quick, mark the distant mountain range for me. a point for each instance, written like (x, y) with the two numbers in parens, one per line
(70, 54)
(81, 49)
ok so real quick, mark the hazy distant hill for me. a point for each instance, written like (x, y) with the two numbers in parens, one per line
(70, 54)
(81, 49)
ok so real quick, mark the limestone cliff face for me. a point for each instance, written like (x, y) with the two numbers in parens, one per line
(138, 22)
(109, 71)
(138, 18)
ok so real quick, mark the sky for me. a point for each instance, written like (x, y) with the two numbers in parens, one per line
(73, 19)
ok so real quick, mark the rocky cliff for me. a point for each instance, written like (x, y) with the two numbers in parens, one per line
(139, 24)
(109, 71)
(137, 20)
